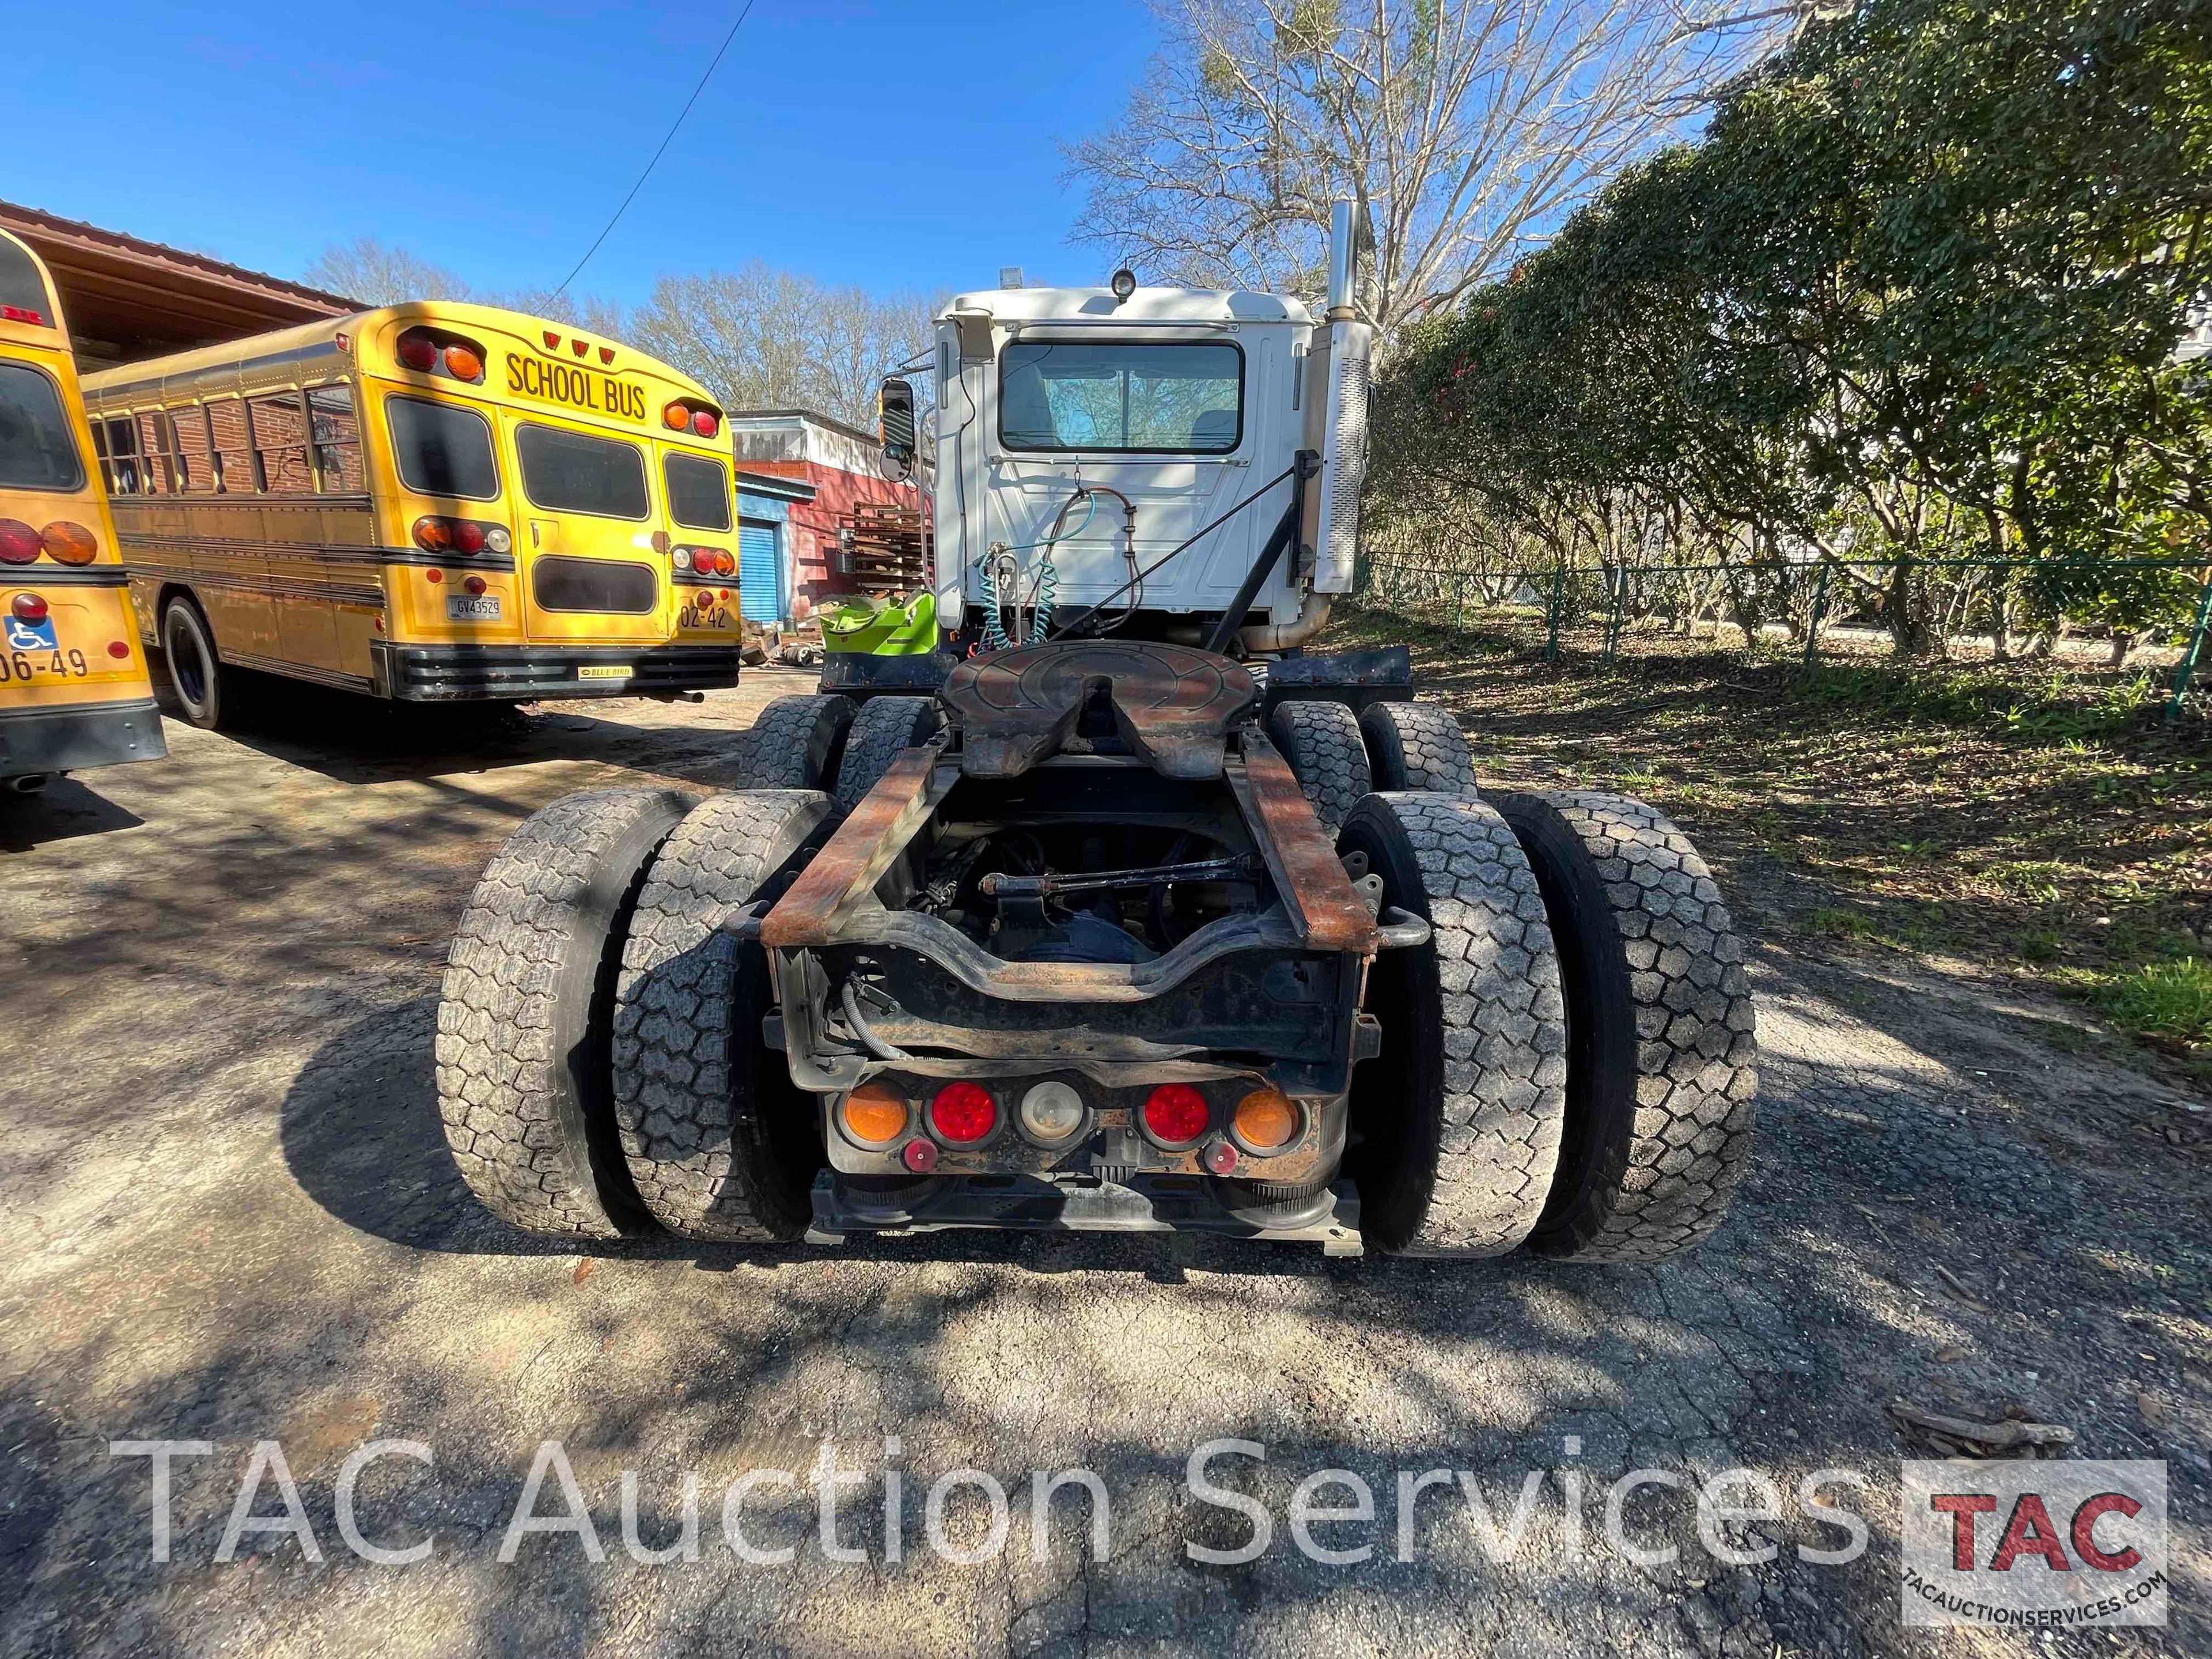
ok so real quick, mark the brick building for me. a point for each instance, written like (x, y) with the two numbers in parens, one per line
(837, 466)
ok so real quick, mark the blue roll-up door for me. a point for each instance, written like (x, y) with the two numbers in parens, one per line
(760, 595)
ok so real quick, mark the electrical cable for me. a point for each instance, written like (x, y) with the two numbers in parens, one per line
(657, 153)
(1137, 581)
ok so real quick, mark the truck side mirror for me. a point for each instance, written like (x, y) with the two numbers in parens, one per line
(895, 425)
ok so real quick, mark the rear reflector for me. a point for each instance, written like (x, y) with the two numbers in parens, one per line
(963, 1113)
(118, 649)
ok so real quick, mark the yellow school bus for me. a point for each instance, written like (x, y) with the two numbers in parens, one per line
(73, 686)
(433, 503)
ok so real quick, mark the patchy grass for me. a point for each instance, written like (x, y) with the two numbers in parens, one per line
(2169, 1000)
(2037, 822)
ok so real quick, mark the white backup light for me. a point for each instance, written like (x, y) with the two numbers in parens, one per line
(1052, 1111)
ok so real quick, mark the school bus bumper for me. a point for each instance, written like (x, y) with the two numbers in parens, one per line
(36, 741)
(460, 673)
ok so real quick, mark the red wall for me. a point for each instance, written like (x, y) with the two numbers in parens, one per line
(813, 534)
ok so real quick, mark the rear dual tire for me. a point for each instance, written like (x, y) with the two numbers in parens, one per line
(525, 1010)
(1572, 1062)
(1662, 1059)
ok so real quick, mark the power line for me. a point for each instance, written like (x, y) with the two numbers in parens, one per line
(657, 153)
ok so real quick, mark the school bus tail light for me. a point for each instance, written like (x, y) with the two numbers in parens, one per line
(435, 533)
(19, 543)
(71, 544)
(427, 351)
(705, 422)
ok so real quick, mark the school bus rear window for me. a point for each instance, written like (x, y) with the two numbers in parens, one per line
(568, 473)
(36, 449)
(441, 450)
(698, 492)
(22, 289)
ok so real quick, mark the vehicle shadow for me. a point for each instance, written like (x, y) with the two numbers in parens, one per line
(64, 810)
(352, 738)
(360, 1134)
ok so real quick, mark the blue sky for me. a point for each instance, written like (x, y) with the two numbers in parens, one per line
(893, 146)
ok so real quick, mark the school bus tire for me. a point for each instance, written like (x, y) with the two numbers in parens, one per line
(526, 1014)
(720, 1143)
(203, 687)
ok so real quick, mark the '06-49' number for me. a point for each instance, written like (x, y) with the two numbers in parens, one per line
(19, 666)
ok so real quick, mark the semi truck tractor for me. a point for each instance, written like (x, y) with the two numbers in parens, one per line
(1129, 908)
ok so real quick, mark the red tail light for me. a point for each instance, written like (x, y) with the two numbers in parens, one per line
(19, 543)
(706, 424)
(1175, 1112)
(72, 544)
(963, 1113)
(417, 351)
(28, 607)
(468, 536)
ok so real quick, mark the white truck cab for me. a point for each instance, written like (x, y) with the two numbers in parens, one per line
(1085, 435)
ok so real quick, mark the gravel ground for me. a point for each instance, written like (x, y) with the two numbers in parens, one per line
(230, 1218)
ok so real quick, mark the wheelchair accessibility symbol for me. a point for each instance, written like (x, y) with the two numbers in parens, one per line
(31, 636)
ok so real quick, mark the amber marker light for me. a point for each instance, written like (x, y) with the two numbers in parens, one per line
(1266, 1120)
(875, 1114)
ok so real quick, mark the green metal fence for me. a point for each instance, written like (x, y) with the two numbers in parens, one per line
(1608, 595)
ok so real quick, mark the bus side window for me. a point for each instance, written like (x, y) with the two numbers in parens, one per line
(195, 471)
(280, 443)
(159, 448)
(233, 453)
(119, 455)
(338, 441)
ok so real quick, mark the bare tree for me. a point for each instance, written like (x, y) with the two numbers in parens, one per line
(366, 270)
(763, 338)
(1463, 130)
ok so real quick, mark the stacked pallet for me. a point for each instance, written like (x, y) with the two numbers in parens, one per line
(884, 548)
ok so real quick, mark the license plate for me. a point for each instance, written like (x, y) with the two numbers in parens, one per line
(609, 672)
(706, 613)
(461, 609)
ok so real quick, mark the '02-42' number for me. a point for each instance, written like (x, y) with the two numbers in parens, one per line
(18, 666)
